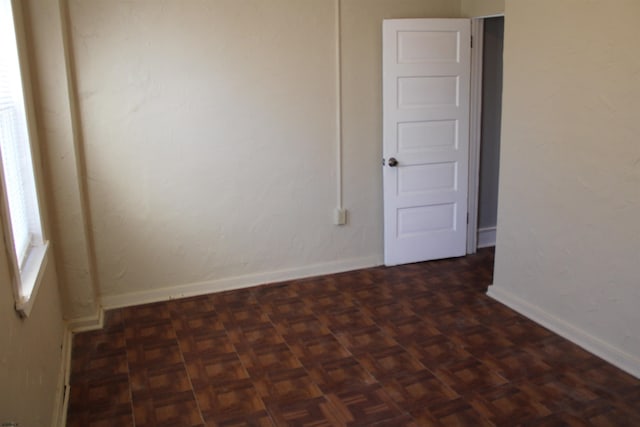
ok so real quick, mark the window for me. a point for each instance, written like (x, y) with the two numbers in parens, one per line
(24, 239)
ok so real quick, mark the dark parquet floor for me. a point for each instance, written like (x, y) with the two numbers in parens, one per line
(414, 345)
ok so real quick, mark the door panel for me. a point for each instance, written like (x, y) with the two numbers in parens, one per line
(426, 129)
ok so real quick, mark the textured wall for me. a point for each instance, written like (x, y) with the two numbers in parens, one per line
(209, 131)
(570, 170)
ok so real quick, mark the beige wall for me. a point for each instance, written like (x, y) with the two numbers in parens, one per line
(209, 132)
(567, 250)
(31, 349)
(476, 8)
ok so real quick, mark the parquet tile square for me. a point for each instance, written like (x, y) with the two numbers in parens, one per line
(318, 349)
(340, 374)
(150, 330)
(102, 393)
(507, 404)
(316, 412)
(154, 353)
(515, 364)
(417, 390)
(389, 361)
(286, 385)
(114, 416)
(213, 342)
(197, 323)
(158, 380)
(456, 412)
(258, 419)
(480, 340)
(256, 334)
(412, 345)
(365, 405)
(286, 308)
(470, 374)
(260, 360)
(364, 340)
(409, 328)
(176, 409)
(438, 350)
(341, 319)
(300, 326)
(155, 312)
(240, 316)
(229, 400)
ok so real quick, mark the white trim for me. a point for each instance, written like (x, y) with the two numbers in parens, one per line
(89, 323)
(617, 357)
(475, 129)
(338, 94)
(238, 282)
(76, 136)
(25, 281)
(61, 402)
(497, 15)
(31, 277)
(486, 237)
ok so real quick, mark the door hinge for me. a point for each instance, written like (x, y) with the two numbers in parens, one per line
(467, 218)
(471, 42)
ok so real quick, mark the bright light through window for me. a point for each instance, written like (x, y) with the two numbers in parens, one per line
(20, 198)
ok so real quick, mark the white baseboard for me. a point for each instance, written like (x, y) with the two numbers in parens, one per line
(72, 326)
(238, 282)
(89, 323)
(627, 362)
(61, 402)
(486, 237)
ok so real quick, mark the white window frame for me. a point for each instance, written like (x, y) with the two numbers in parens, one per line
(26, 273)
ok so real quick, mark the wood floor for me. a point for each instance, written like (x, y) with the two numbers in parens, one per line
(415, 345)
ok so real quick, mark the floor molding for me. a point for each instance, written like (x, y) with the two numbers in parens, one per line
(81, 324)
(62, 391)
(238, 282)
(486, 237)
(592, 344)
(89, 323)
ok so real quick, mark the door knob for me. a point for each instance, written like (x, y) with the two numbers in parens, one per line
(393, 162)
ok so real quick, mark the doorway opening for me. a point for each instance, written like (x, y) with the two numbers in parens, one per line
(486, 112)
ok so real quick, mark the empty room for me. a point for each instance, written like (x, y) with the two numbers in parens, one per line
(272, 212)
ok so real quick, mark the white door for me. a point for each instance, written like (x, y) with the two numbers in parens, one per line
(426, 69)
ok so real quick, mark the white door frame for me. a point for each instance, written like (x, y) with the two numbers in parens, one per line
(475, 128)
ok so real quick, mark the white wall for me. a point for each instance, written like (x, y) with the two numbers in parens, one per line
(209, 132)
(567, 251)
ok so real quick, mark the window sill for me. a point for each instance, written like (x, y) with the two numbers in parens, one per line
(30, 278)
